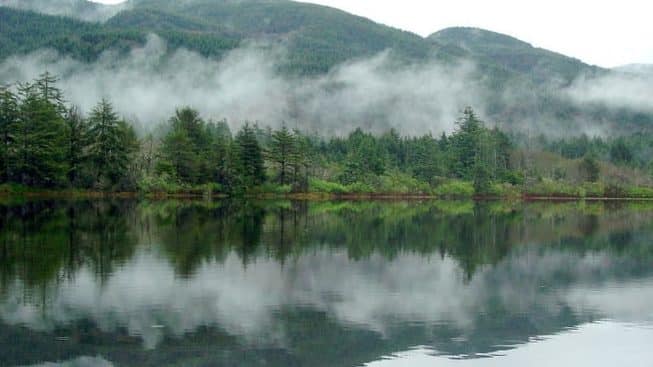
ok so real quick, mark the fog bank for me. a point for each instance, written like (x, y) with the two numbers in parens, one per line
(150, 82)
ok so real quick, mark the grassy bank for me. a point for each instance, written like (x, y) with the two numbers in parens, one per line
(325, 190)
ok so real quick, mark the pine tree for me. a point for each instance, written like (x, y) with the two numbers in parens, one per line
(46, 84)
(77, 147)
(282, 152)
(39, 141)
(188, 148)
(112, 142)
(590, 169)
(8, 122)
(219, 152)
(303, 159)
(466, 144)
(179, 156)
(249, 158)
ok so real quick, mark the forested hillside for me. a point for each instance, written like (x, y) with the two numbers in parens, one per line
(524, 88)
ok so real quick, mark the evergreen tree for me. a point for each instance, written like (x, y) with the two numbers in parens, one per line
(187, 149)
(303, 160)
(77, 148)
(8, 121)
(221, 140)
(248, 158)
(466, 144)
(179, 156)
(620, 153)
(425, 158)
(282, 152)
(39, 141)
(46, 84)
(590, 168)
(364, 158)
(112, 143)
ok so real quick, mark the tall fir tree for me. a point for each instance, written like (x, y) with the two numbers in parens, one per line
(112, 143)
(77, 148)
(249, 162)
(282, 152)
(39, 140)
(8, 120)
(466, 144)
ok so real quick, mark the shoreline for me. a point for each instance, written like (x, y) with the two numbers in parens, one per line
(309, 196)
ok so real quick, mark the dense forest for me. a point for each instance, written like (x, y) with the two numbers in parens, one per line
(46, 144)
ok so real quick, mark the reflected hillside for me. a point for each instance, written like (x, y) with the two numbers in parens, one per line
(322, 284)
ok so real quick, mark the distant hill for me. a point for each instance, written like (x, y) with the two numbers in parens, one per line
(79, 9)
(638, 69)
(524, 82)
(515, 55)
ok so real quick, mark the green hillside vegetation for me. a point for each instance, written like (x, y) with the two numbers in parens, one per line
(515, 55)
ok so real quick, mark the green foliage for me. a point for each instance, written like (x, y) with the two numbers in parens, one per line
(9, 117)
(37, 155)
(47, 145)
(161, 183)
(590, 169)
(77, 149)
(360, 188)
(188, 150)
(327, 187)
(112, 144)
(248, 158)
(639, 192)
(454, 189)
(364, 157)
(550, 188)
(283, 150)
(504, 190)
(620, 152)
(401, 183)
(270, 188)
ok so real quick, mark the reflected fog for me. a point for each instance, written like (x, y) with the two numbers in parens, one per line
(122, 283)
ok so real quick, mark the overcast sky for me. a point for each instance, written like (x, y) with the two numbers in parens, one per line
(606, 33)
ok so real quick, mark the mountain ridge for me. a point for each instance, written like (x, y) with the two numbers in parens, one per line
(319, 39)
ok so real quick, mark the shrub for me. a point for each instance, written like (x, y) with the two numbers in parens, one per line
(327, 187)
(401, 183)
(270, 188)
(159, 183)
(550, 188)
(639, 192)
(504, 190)
(594, 189)
(360, 188)
(455, 189)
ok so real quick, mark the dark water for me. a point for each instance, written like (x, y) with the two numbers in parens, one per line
(125, 283)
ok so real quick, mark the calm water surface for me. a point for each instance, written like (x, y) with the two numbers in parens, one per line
(172, 283)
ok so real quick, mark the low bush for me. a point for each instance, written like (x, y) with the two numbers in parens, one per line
(551, 188)
(321, 186)
(455, 189)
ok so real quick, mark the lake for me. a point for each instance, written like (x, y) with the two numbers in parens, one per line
(280, 283)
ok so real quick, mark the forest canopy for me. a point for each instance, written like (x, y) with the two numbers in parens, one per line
(46, 144)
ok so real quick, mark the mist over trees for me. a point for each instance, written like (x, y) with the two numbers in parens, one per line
(46, 144)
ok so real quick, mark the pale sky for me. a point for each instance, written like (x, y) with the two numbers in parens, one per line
(602, 32)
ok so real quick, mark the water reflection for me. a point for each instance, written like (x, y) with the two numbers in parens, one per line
(292, 283)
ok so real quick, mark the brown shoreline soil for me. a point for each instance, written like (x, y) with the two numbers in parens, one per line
(295, 196)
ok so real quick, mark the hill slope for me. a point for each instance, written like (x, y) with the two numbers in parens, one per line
(539, 64)
(525, 85)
